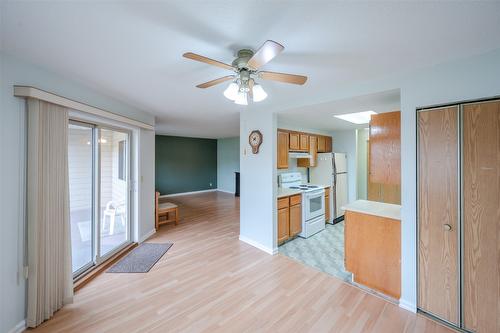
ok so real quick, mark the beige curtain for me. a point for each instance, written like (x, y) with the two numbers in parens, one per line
(50, 281)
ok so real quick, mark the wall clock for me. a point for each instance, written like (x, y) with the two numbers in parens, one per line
(255, 140)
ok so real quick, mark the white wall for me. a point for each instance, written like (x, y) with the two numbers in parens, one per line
(146, 185)
(228, 162)
(258, 185)
(345, 142)
(12, 172)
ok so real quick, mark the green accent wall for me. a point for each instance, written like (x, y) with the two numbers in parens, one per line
(185, 164)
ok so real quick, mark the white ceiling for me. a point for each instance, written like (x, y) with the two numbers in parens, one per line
(321, 116)
(132, 51)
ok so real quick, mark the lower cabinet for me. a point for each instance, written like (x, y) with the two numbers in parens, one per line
(289, 217)
(295, 220)
(283, 224)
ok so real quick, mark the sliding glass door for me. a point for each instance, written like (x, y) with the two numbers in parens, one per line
(113, 175)
(81, 198)
(99, 178)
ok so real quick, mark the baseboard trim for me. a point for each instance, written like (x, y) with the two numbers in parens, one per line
(407, 305)
(20, 327)
(258, 245)
(186, 193)
(146, 236)
(220, 190)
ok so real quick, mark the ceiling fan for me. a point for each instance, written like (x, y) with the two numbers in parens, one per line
(246, 70)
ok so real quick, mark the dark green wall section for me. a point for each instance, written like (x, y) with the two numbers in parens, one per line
(185, 164)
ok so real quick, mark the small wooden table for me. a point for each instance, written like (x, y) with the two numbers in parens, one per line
(166, 209)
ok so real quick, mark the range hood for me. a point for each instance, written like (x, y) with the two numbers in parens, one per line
(298, 155)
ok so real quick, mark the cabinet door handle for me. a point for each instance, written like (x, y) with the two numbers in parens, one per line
(447, 227)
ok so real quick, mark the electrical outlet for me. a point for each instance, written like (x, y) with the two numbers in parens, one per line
(210, 184)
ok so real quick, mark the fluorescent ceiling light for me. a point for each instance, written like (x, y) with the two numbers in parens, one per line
(357, 117)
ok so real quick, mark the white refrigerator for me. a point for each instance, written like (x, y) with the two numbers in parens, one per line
(331, 170)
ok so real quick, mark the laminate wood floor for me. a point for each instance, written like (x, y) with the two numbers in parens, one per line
(209, 281)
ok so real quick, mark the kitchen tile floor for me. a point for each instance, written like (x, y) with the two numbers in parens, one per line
(324, 251)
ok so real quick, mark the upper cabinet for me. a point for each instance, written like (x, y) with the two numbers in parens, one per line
(301, 142)
(304, 142)
(321, 144)
(385, 148)
(283, 142)
(294, 141)
(324, 144)
(328, 144)
(313, 151)
(385, 158)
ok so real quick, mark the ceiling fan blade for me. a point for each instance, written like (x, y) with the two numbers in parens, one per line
(283, 77)
(200, 58)
(216, 81)
(266, 53)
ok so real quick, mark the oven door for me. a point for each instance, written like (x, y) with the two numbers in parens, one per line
(314, 204)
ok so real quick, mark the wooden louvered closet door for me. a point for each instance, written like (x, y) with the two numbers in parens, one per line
(438, 211)
(481, 217)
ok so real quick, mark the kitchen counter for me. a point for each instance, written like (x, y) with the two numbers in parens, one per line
(286, 192)
(381, 209)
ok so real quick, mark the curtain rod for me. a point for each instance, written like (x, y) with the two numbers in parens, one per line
(32, 92)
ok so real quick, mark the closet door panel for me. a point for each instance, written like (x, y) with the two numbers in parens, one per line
(438, 213)
(481, 216)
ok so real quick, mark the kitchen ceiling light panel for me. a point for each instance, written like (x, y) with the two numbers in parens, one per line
(357, 117)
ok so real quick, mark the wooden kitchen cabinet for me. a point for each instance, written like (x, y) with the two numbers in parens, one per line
(385, 148)
(283, 141)
(283, 225)
(289, 217)
(321, 144)
(384, 158)
(313, 151)
(388, 193)
(372, 250)
(294, 141)
(304, 142)
(295, 218)
(328, 144)
(327, 204)
(283, 219)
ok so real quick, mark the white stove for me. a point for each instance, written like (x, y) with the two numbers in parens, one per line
(305, 187)
(313, 202)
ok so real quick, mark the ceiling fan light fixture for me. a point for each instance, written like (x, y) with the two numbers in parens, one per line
(241, 98)
(258, 93)
(231, 91)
